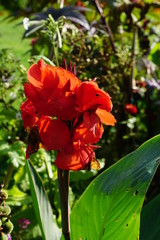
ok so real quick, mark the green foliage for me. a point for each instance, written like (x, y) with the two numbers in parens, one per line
(120, 191)
(150, 230)
(42, 206)
(110, 207)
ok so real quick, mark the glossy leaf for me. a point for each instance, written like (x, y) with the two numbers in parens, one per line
(150, 220)
(42, 206)
(111, 205)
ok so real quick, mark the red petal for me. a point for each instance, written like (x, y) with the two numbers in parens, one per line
(30, 92)
(54, 133)
(90, 130)
(28, 112)
(90, 96)
(76, 159)
(35, 74)
(105, 117)
(65, 77)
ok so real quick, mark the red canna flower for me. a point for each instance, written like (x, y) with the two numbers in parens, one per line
(63, 114)
(52, 90)
(75, 157)
(130, 108)
(33, 41)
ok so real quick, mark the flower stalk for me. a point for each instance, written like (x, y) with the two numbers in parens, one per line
(63, 183)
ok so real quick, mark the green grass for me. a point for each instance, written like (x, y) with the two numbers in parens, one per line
(11, 38)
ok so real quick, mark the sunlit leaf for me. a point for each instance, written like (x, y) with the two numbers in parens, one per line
(110, 207)
(42, 207)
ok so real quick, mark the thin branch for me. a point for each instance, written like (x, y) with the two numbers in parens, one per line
(100, 10)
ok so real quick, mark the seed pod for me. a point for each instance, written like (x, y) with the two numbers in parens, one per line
(3, 196)
(5, 210)
(7, 227)
(4, 220)
(3, 236)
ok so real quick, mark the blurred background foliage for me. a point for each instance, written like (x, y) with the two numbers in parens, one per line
(116, 42)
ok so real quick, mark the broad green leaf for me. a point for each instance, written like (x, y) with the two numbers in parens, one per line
(110, 207)
(150, 220)
(42, 206)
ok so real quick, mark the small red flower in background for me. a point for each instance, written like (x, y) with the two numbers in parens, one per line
(64, 114)
(130, 108)
(80, 4)
(33, 41)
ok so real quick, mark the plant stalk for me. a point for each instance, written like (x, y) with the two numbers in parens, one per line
(63, 183)
(133, 60)
(105, 23)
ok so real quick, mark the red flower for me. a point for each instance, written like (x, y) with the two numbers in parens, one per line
(28, 113)
(52, 90)
(63, 114)
(75, 157)
(54, 133)
(130, 108)
(33, 41)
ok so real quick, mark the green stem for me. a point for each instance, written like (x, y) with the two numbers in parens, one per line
(55, 55)
(63, 183)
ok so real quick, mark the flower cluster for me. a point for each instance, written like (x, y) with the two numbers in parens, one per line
(24, 223)
(64, 114)
(130, 108)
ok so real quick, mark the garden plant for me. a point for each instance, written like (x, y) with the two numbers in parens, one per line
(80, 120)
